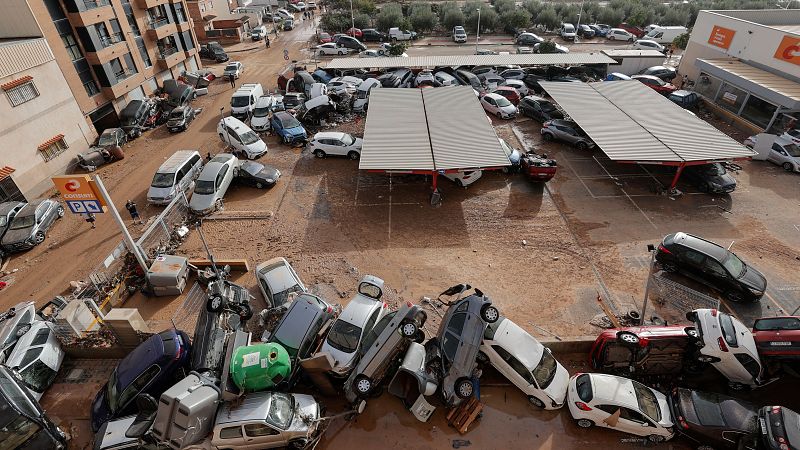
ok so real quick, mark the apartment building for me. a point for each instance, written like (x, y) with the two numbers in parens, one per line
(203, 13)
(115, 51)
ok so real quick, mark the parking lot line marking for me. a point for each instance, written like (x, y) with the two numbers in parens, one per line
(775, 302)
(629, 197)
(358, 182)
(730, 310)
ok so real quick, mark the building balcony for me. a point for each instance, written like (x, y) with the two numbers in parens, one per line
(169, 57)
(110, 41)
(184, 26)
(126, 81)
(92, 4)
(161, 28)
(112, 49)
(145, 4)
(91, 17)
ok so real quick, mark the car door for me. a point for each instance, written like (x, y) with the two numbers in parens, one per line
(491, 106)
(691, 261)
(261, 435)
(141, 384)
(43, 216)
(231, 437)
(513, 369)
(373, 318)
(219, 183)
(776, 154)
(634, 422)
(716, 274)
(336, 147)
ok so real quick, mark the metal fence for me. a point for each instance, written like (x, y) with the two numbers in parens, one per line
(159, 237)
(185, 317)
(674, 299)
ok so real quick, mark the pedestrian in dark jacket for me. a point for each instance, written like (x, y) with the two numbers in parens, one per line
(90, 219)
(131, 207)
(232, 79)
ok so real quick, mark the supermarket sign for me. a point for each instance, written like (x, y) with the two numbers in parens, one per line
(789, 50)
(721, 37)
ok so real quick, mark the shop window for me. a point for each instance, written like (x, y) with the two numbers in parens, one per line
(53, 148)
(731, 97)
(758, 111)
(706, 85)
(23, 93)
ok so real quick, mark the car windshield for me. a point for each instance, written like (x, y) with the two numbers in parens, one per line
(289, 121)
(545, 371)
(715, 169)
(107, 139)
(734, 265)
(112, 395)
(362, 94)
(348, 139)
(261, 112)
(792, 150)
(204, 187)
(281, 410)
(728, 330)
(648, 403)
(502, 101)
(249, 137)
(230, 68)
(37, 376)
(239, 101)
(22, 222)
(547, 106)
(163, 180)
(252, 167)
(344, 336)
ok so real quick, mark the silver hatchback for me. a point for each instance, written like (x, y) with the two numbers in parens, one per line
(567, 131)
(30, 225)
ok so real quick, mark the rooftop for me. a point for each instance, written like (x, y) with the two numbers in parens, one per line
(786, 20)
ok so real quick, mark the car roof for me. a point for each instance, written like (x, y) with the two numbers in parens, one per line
(699, 244)
(536, 98)
(252, 406)
(563, 122)
(519, 343)
(610, 388)
(359, 309)
(494, 96)
(143, 356)
(28, 210)
(9, 324)
(7, 207)
(297, 321)
(210, 171)
(646, 77)
(329, 135)
(277, 274)
(24, 344)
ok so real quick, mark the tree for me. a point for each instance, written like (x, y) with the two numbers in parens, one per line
(444, 8)
(610, 16)
(547, 18)
(391, 15)
(335, 22)
(452, 18)
(422, 18)
(534, 7)
(515, 19)
(362, 20)
(489, 19)
(681, 41)
(364, 6)
(640, 16)
(674, 17)
(397, 49)
(547, 47)
(502, 6)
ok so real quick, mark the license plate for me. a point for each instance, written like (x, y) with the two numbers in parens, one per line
(780, 343)
(763, 424)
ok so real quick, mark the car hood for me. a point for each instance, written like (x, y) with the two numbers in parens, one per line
(343, 361)
(722, 180)
(201, 202)
(14, 236)
(295, 131)
(358, 143)
(558, 387)
(754, 279)
(663, 405)
(306, 410)
(174, 122)
(101, 413)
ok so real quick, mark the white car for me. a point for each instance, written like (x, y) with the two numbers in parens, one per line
(459, 34)
(621, 404)
(646, 44)
(618, 34)
(277, 279)
(241, 138)
(464, 178)
(15, 325)
(520, 86)
(729, 346)
(567, 32)
(528, 364)
(371, 53)
(331, 48)
(424, 78)
(335, 143)
(513, 74)
(37, 358)
(346, 84)
(212, 184)
(524, 50)
(559, 48)
(234, 68)
(499, 106)
(445, 79)
(356, 320)
(784, 151)
(265, 106)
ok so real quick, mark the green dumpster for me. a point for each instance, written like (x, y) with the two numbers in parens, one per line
(260, 366)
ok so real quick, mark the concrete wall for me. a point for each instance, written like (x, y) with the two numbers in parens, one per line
(24, 127)
(17, 20)
(753, 43)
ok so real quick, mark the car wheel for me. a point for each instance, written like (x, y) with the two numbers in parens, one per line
(734, 296)
(259, 185)
(319, 153)
(708, 359)
(459, 182)
(580, 145)
(547, 137)
(464, 388)
(628, 338)
(691, 332)
(655, 438)
(245, 312)
(298, 444)
(215, 303)
(353, 155)
(788, 167)
(218, 205)
(419, 338)
(22, 330)
(505, 169)
(536, 402)
(38, 238)
(60, 211)
(362, 385)
(482, 358)
(287, 140)
(490, 314)
(669, 267)
(611, 38)
(585, 423)
(408, 329)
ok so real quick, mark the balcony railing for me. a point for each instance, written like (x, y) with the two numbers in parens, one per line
(92, 4)
(124, 74)
(108, 41)
(167, 52)
(158, 22)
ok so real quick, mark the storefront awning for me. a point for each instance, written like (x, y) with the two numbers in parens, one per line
(766, 85)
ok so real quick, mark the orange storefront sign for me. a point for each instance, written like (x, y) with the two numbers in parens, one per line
(721, 37)
(789, 50)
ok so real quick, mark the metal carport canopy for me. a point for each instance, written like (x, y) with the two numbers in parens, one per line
(470, 60)
(631, 122)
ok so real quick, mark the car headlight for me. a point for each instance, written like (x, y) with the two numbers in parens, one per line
(755, 291)
(269, 180)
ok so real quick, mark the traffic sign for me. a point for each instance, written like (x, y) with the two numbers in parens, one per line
(80, 194)
(85, 206)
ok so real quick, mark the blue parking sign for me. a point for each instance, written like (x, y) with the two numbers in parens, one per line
(85, 206)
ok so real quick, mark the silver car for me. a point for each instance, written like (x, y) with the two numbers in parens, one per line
(277, 279)
(567, 131)
(36, 358)
(452, 353)
(213, 183)
(14, 323)
(262, 420)
(30, 225)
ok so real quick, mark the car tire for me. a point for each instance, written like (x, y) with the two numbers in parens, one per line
(408, 329)
(628, 338)
(585, 423)
(580, 145)
(38, 238)
(547, 137)
(286, 140)
(464, 388)
(259, 185)
(788, 167)
(482, 358)
(362, 386)
(460, 183)
(319, 154)
(419, 338)
(656, 439)
(490, 314)
(215, 303)
(245, 312)
(218, 205)
(60, 211)
(536, 402)
(505, 170)
(734, 296)
(354, 155)
(611, 38)
(669, 267)
(298, 444)
(22, 330)
(692, 332)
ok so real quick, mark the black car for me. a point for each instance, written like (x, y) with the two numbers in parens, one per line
(293, 100)
(468, 78)
(529, 39)
(349, 42)
(539, 108)
(8, 210)
(711, 178)
(532, 80)
(714, 420)
(399, 78)
(711, 264)
(373, 35)
(585, 31)
(258, 175)
(180, 118)
(780, 428)
(665, 73)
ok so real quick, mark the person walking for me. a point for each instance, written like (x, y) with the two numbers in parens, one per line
(90, 218)
(266, 41)
(286, 54)
(131, 207)
(671, 51)
(232, 79)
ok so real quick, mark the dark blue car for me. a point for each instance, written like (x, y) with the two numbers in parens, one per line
(151, 368)
(288, 128)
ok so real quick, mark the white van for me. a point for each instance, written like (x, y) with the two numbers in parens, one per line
(261, 113)
(244, 99)
(284, 14)
(244, 141)
(177, 174)
(664, 35)
(362, 94)
(258, 33)
(396, 34)
(317, 90)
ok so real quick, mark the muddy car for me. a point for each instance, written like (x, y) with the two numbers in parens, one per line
(108, 148)
(451, 354)
(382, 347)
(30, 226)
(413, 382)
(646, 351)
(14, 323)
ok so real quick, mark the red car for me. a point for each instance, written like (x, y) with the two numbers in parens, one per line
(632, 29)
(655, 83)
(538, 167)
(645, 350)
(778, 337)
(509, 93)
(355, 32)
(324, 37)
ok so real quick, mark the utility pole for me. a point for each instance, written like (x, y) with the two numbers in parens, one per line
(352, 18)
(578, 26)
(478, 31)
(126, 236)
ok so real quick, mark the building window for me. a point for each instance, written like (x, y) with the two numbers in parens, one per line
(731, 97)
(707, 86)
(157, 16)
(143, 53)
(758, 111)
(22, 93)
(180, 15)
(72, 46)
(53, 147)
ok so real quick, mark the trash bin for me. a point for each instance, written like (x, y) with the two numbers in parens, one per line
(260, 366)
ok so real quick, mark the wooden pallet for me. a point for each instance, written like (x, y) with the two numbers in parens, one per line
(462, 416)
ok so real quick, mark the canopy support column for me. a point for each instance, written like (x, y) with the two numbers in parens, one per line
(677, 175)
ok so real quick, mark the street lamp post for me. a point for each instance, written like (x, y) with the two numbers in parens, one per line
(578, 26)
(352, 18)
(478, 31)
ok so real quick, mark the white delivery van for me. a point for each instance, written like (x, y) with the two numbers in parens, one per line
(261, 113)
(176, 175)
(244, 99)
(258, 33)
(396, 34)
(244, 141)
(362, 94)
(664, 35)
